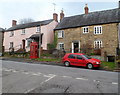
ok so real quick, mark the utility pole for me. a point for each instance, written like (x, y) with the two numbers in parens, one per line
(40, 41)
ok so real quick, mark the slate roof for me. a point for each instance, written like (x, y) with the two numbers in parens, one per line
(2, 30)
(93, 18)
(28, 25)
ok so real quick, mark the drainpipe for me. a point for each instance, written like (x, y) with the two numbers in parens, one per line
(40, 41)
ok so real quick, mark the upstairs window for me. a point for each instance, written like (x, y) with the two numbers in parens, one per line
(61, 46)
(23, 32)
(85, 30)
(38, 29)
(97, 44)
(60, 34)
(98, 30)
(11, 33)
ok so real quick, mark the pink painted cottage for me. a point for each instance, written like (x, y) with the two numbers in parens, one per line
(20, 36)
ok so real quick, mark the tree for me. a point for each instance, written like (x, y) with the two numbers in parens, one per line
(25, 20)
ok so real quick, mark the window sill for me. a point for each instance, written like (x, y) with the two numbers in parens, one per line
(86, 33)
(22, 34)
(37, 32)
(60, 37)
(97, 34)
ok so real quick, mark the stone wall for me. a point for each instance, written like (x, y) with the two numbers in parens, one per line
(109, 38)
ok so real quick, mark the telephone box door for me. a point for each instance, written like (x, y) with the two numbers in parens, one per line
(33, 50)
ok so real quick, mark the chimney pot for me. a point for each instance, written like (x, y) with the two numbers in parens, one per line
(61, 15)
(14, 22)
(55, 17)
(86, 9)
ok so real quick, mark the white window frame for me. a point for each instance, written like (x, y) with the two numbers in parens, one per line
(23, 32)
(60, 34)
(11, 33)
(98, 44)
(38, 29)
(85, 30)
(61, 46)
(97, 29)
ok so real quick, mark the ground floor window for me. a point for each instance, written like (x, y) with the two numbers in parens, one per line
(61, 46)
(97, 44)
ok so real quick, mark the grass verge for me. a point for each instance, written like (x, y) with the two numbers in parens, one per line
(108, 65)
(48, 60)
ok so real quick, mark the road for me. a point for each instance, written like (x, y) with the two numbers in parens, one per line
(20, 77)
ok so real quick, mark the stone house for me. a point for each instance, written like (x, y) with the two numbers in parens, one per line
(1, 40)
(20, 36)
(92, 32)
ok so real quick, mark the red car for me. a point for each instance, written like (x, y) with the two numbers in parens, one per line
(80, 59)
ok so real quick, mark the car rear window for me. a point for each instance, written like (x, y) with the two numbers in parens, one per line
(71, 56)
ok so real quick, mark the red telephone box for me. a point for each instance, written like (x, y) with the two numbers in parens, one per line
(33, 50)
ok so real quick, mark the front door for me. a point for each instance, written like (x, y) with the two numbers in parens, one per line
(23, 44)
(75, 46)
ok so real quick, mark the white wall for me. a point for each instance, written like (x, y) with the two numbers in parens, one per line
(48, 36)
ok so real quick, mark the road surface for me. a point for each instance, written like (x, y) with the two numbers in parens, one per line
(21, 77)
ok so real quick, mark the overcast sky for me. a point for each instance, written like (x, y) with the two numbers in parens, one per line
(44, 9)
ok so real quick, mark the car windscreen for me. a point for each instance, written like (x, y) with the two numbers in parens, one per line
(86, 56)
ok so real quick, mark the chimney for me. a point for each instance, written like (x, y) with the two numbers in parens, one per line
(61, 15)
(14, 22)
(86, 9)
(55, 17)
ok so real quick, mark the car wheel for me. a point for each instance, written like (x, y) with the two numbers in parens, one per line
(67, 64)
(89, 66)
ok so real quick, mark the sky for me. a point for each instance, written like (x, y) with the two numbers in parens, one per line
(39, 10)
